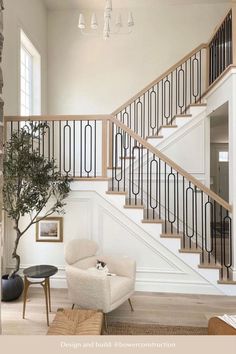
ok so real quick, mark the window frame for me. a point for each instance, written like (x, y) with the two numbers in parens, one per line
(27, 45)
(224, 159)
(26, 92)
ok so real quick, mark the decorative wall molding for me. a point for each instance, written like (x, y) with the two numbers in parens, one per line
(147, 284)
(144, 239)
(170, 274)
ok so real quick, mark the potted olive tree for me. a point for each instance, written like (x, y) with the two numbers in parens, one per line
(30, 182)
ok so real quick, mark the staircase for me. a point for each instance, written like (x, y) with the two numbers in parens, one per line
(121, 151)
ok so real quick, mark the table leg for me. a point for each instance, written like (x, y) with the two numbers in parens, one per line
(49, 294)
(26, 286)
(45, 287)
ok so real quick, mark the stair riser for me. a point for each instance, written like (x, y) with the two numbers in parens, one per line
(180, 122)
(196, 110)
(166, 132)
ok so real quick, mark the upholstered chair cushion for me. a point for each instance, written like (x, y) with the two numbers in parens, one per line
(93, 290)
(77, 250)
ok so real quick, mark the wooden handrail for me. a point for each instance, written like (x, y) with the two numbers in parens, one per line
(154, 82)
(172, 164)
(49, 118)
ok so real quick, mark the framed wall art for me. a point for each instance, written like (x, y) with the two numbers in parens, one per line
(50, 230)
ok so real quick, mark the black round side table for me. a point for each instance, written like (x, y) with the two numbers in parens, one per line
(39, 272)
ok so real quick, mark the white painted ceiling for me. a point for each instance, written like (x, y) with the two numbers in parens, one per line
(92, 4)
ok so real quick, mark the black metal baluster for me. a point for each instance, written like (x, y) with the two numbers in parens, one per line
(95, 148)
(66, 170)
(153, 200)
(148, 184)
(112, 154)
(165, 200)
(81, 149)
(214, 230)
(129, 167)
(88, 168)
(178, 200)
(74, 149)
(203, 222)
(221, 242)
(184, 226)
(159, 189)
(190, 235)
(208, 248)
(196, 216)
(227, 225)
(171, 220)
(53, 140)
(60, 166)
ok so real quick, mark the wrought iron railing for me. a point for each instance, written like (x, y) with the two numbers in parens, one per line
(78, 144)
(220, 49)
(167, 193)
(186, 83)
(168, 96)
(171, 196)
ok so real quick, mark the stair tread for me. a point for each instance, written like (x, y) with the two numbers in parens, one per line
(114, 168)
(168, 235)
(127, 157)
(169, 126)
(227, 282)
(154, 137)
(138, 206)
(190, 250)
(198, 104)
(182, 116)
(116, 192)
(152, 221)
(209, 266)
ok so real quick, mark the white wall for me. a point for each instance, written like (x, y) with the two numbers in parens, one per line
(90, 75)
(224, 92)
(31, 16)
(158, 269)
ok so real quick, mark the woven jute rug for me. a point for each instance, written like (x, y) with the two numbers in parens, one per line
(152, 329)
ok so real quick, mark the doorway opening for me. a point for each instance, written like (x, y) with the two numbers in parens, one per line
(219, 152)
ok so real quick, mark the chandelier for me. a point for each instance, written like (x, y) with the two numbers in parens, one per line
(110, 27)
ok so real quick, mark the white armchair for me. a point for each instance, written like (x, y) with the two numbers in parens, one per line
(93, 291)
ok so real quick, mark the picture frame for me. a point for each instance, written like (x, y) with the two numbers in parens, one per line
(50, 229)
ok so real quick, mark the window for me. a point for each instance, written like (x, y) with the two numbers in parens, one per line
(223, 156)
(26, 91)
(30, 78)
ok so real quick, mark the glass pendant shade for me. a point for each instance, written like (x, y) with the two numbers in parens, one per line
(94, 22)
(130, 20)
(81, 23)
(108, 6)
(119, 20)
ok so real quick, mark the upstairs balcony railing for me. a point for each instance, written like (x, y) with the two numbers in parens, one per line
(77, 143)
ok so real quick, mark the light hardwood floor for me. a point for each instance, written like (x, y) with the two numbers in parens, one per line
(159, 308)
